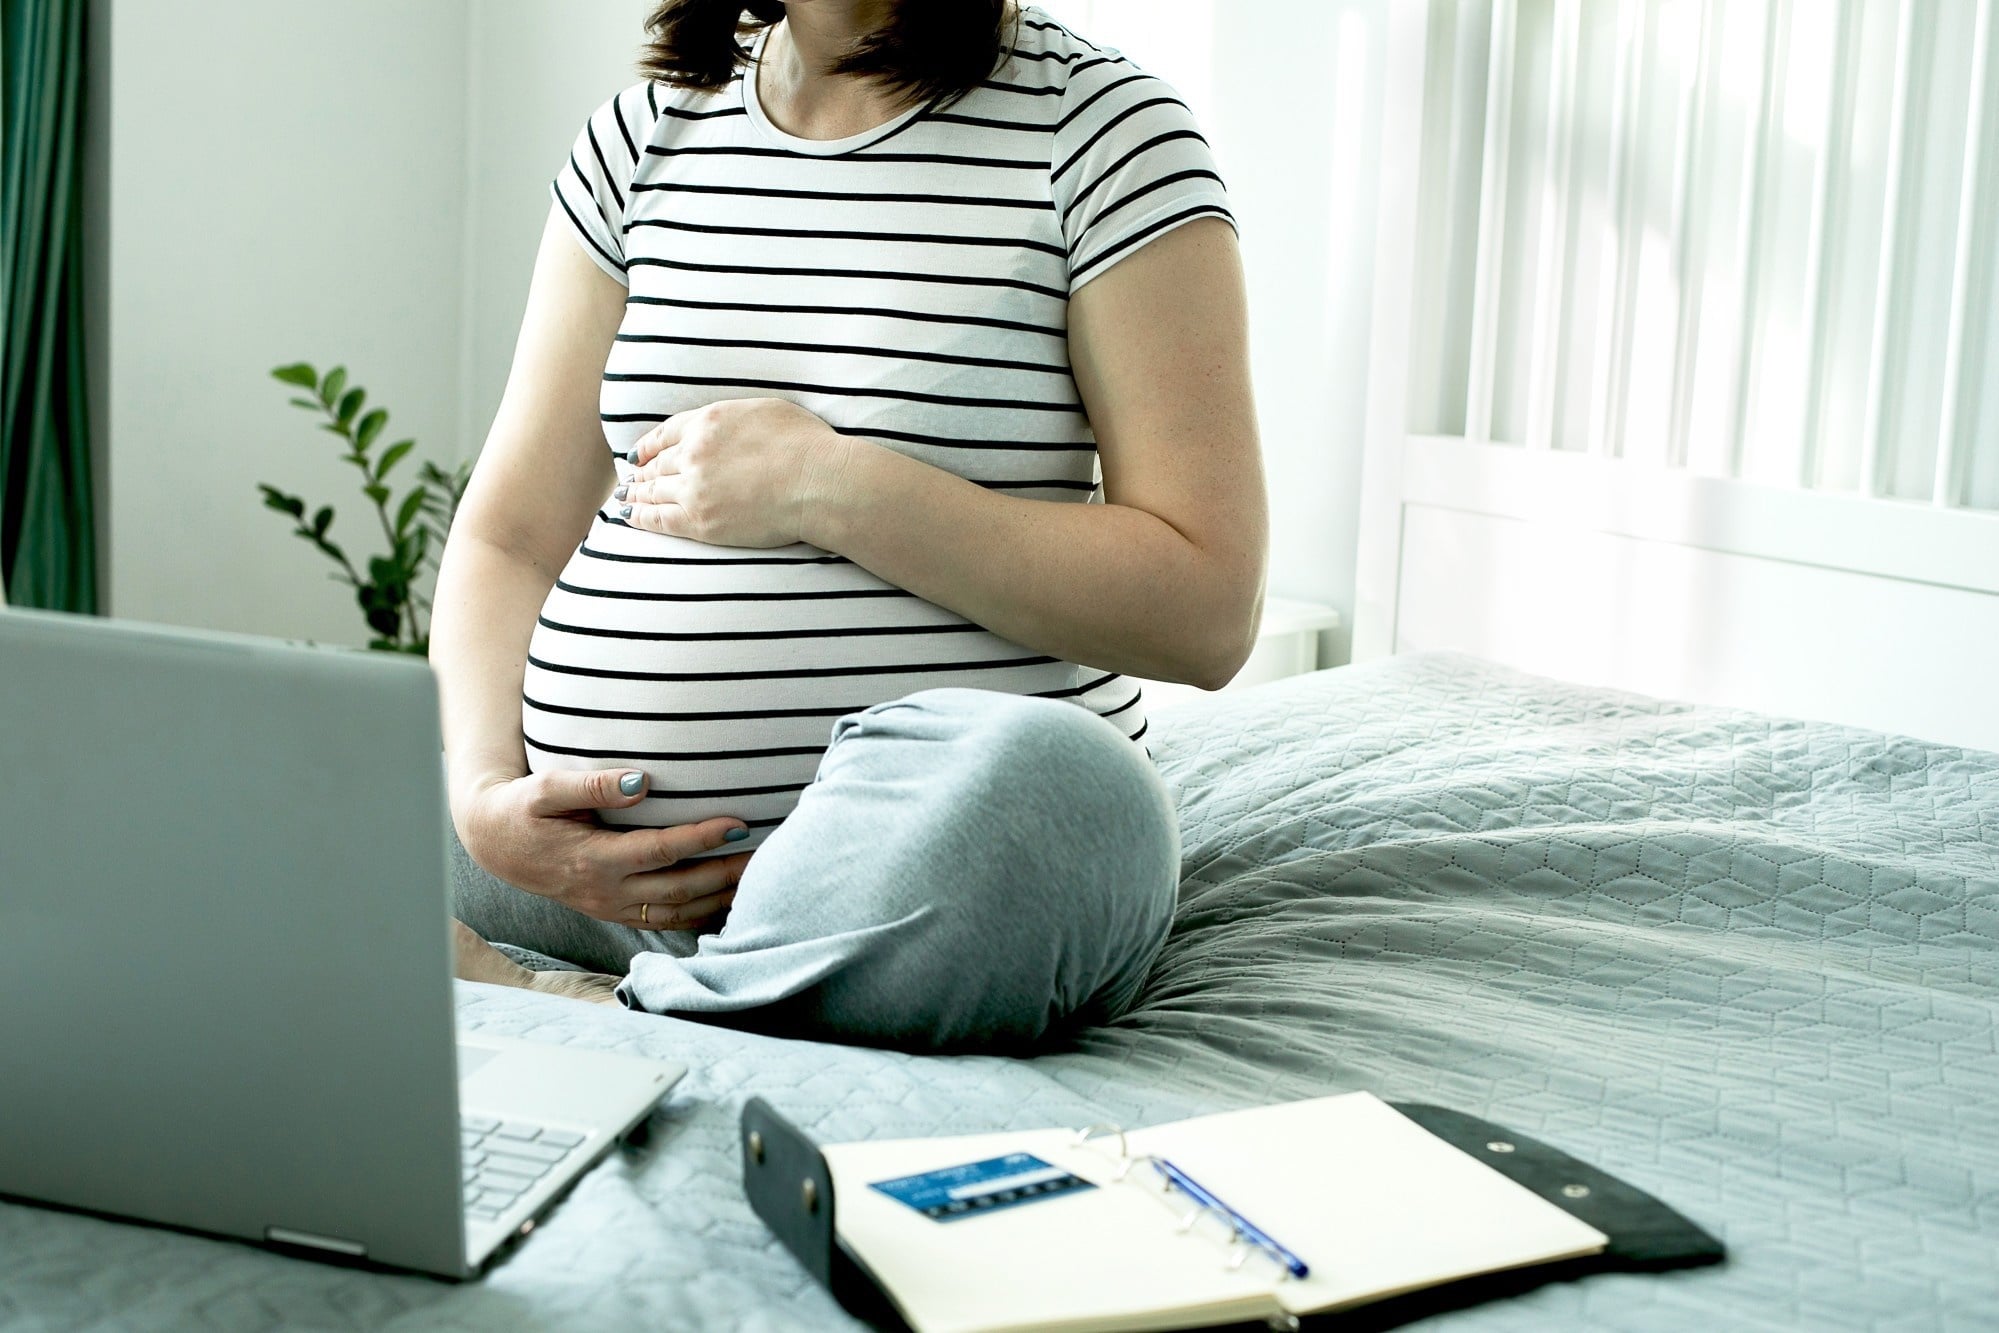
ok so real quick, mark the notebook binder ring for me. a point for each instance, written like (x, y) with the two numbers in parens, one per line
(1165, 1181)
(1083, 1136)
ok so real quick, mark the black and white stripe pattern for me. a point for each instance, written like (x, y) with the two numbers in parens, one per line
(910, 286)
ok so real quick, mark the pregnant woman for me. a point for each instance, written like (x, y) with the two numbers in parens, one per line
(881, 407)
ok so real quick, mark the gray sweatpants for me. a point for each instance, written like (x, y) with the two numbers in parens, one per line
(967, 868)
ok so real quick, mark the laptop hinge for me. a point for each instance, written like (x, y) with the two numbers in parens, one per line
(286, 1236)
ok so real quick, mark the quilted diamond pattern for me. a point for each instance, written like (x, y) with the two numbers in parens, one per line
(1750, 964)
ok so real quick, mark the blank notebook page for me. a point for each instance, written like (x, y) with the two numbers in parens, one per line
(1106, 1258)
(1374, 1203)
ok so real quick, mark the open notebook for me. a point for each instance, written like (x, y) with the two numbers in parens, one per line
(1368, 1202)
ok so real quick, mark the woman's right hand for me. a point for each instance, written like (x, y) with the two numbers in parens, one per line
(540, 833)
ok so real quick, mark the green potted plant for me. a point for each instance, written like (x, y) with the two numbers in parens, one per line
(414, 526)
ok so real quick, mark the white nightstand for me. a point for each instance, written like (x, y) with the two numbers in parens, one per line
(1287, 645)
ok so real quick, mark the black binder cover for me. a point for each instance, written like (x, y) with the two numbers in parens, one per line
(791, 1189)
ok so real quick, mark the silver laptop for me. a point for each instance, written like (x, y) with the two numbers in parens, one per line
(224, 963)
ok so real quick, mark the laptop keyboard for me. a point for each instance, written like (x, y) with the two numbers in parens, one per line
(504, 1159)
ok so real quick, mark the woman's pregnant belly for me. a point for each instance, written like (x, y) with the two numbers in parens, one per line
(718, 671)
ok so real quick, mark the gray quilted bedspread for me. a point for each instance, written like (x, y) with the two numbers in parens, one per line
(1752, 965)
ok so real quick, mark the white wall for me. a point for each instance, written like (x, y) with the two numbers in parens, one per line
(361, 184)
(301, 200)
(1300, 130)
(538, 69)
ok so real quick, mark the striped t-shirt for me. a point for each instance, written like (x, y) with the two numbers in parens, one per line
(908, 285)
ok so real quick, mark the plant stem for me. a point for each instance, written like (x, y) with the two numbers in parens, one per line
(406, 622)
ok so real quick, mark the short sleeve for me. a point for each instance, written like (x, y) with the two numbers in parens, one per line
(1129, 165)
(594, 186)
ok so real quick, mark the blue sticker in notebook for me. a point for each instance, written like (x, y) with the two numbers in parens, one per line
(955, 1192)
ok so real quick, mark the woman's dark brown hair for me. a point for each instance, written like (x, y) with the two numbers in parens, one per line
(928, 49)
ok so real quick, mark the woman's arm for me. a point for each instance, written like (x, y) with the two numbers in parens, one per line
(542, 474)
(1164, 579)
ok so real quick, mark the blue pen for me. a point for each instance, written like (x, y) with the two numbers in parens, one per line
(1247, 1229)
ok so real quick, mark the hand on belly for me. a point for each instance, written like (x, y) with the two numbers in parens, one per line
(733, 473)
(540, 833)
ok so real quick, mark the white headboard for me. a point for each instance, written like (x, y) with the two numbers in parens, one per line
(1682, 372)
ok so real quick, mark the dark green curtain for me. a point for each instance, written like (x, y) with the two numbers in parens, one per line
(47, 541)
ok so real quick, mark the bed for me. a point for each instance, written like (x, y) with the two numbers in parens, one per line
(1750, 964)
(1659, 405)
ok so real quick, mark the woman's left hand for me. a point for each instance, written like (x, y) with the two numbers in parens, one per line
(735, 473)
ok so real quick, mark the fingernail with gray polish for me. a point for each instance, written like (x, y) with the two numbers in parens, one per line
(626, 512)
(735, 835)
(632, 783)
(621, 493)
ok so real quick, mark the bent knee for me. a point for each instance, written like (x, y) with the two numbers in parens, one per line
(966, 736)
(1044, 810)
(1024, 730)
(1078, 833)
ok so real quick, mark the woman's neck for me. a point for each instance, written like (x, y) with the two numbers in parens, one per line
(820, 32)
(795, 82)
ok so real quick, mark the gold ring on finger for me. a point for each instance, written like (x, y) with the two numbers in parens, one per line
(644, 909)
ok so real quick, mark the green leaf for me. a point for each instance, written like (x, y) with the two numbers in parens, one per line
(381, 606)
(371, 426)
(451, 483)
(284, 504)
(412, 506)
(392, 455)
(299, 373)
(378, 493)
(308, 404)
(350, 403)
(330, 387)
(322, 520)
(388, 576)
